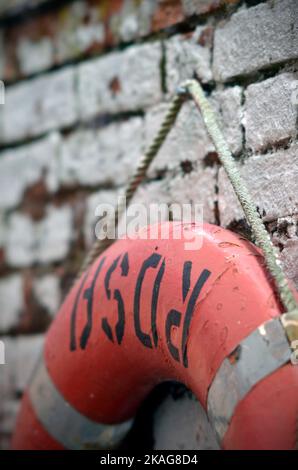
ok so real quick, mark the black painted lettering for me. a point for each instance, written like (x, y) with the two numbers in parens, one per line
(88, 295)
(73, 318)
(120, 326)
(108, 276)
(186, 279)
(151, 262)
(173, 319)
(189, 312)
(155, 295)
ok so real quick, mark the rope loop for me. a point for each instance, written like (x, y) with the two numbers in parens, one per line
(192, 89)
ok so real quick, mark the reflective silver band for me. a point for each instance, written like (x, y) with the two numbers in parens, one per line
(265, 350)
(66, 425)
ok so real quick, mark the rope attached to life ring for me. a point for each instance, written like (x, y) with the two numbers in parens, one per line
(192, 89)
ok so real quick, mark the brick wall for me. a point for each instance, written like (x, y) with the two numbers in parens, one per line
(78, 74)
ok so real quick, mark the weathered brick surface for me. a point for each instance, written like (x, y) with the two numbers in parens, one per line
(92, 158)
(85, 27)
(166, 14)
(78, 29)
(20, 241)
(228, 105)
(255, 38)
(197, 187)
(100, 197)
(132, 20)
(289, 259)
(195, 7)
(11, 301)
(272, 180)
(271, 112)
(56, 36)
(21, 355)
(24, 166)
(188, 141)
(39, 105)
(186, 56)
(284, 234)
(47, 292)
(128, 81)
(35, 56)
(42, 242)
(54, 244)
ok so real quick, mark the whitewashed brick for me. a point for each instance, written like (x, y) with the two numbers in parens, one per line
(100, 197)
(107, 156)
(120, 81)
(54, 234)
(39, 105)
(289, 259)
(42, 242)
(271, 113)
(260, 36)
(20, 243)
(285, 236)
(22, 354)
(22, 167)
(47, 292)
(11, 301)
(35, 56)
(187, 141)
(196, 187)
(227, 104)
(192, 7)
(27, 351)
(3, 229)
(272, 181)
(184, 57)
(182, 424)
(133, 20)
(155, 192)
(76, 36)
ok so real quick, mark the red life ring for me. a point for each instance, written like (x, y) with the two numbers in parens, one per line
(149, 310)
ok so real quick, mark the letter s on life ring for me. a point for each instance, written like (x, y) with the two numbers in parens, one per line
(148, 311)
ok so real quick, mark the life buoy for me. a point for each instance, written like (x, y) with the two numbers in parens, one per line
(148, 311)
